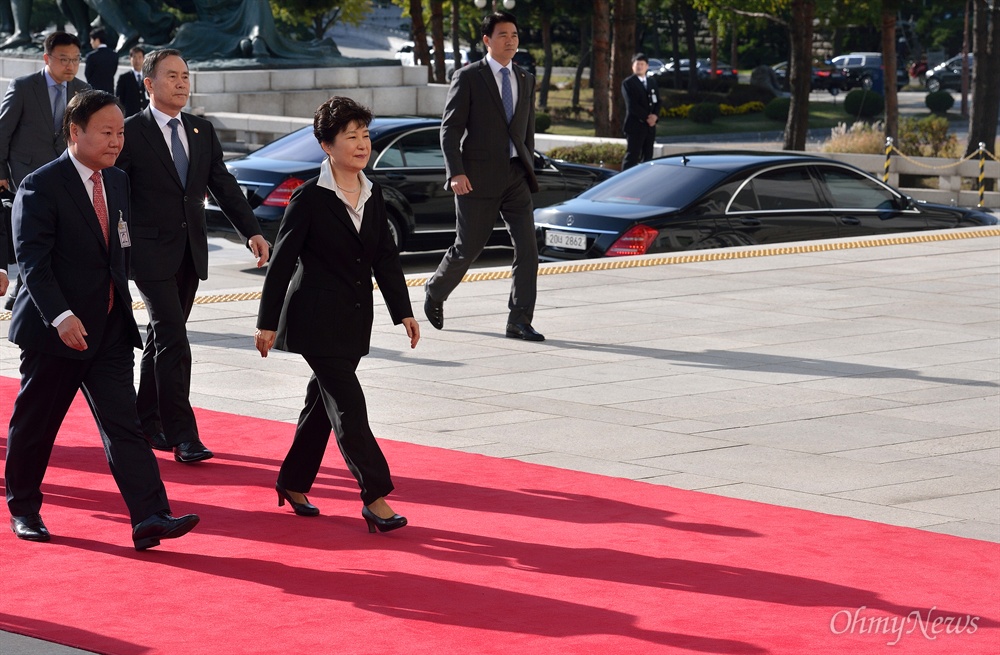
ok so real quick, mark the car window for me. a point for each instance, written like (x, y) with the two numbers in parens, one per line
(417, 149)
(297, 146)
(851, 190)
(789, 188)
(659, 185)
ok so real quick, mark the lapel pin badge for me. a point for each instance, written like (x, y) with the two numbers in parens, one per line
(196, 130)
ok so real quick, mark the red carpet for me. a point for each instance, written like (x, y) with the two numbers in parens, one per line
(500, 557)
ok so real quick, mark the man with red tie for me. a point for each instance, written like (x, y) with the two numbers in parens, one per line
(75, 325)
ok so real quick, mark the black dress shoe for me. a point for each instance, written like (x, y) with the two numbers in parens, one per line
(29, 528)
(191, 451)
(302, 509)
(162, 526)
(158, 441)
(9, 303)
(394, 522)
(523, 331)
(434, 311)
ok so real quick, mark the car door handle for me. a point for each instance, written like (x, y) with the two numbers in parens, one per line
(850, 220)
(395, 176)
(750, 222)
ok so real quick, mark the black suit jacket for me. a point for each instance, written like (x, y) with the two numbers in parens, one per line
(640, 102)
(63, 259)
(131, 94)
(318, 291)
(170, 216)
(475, 136)
(100, 69)
(27, 135)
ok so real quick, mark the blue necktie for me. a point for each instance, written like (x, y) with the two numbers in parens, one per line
(58, 108)
(177, 150)
(506, 95)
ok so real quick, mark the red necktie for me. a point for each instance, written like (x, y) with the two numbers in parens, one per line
(101, 209)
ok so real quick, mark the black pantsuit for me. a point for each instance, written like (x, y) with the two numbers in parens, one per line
(641, 100)
(318, 297)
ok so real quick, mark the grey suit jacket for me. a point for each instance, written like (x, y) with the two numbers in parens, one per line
(27, 137)
(475, 136)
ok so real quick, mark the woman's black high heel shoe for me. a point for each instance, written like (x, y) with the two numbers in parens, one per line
(302, 509)
(383, 525)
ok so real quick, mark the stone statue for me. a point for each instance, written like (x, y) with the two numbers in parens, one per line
(131, 20)
(240, 28)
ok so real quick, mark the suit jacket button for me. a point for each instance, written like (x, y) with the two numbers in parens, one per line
(357, 305)
(184, 224)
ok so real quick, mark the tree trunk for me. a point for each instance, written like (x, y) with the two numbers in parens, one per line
(600, 73)
(889, 9)
(585, 56)
(621, 60)
(421, 53)
(456, 25)
(734, 51)
(800, 73)
(675, 44)
(986, 91)
(690, 31)
(437, 36)
(543, 89)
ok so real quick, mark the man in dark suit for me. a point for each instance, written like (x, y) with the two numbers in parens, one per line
(488, 139)
(642, 109)
(75, 325)
(130, 89)
(173, 159)
(102, 62)
(31, 114)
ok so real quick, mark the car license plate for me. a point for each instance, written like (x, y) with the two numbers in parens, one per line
(566, 240)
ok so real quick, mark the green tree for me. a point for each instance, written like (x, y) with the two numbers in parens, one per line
(318, 16)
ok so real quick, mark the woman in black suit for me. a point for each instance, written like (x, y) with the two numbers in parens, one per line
(337, 230)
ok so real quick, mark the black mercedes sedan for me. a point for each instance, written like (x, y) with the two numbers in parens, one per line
(407, 161)
(719, 199)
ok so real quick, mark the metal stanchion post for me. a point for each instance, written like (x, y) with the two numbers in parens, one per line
(982, 172)
(888, 154)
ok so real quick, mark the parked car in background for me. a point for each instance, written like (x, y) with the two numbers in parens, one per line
(655, 66)
(948, 75)
(862, 69)
(525, 60)
(716, 199)
(825, 76)
(723, 72)
(407, 161)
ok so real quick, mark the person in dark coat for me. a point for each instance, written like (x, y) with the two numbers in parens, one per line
(642, 109)
(102, 62)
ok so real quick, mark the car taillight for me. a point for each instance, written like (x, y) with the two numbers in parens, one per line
(822, 73)
(282, 193)
(636, 241)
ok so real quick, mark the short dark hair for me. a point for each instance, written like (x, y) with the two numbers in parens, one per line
(155, 57)
(334, 115)
(640, 56)
(56, 39)
(84, 105)
(136, 48)
(99, 34)
(491, 21)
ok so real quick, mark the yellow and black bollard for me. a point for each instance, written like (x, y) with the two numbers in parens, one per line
(888, 154)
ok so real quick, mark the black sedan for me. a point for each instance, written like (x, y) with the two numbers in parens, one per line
(824, 77)
(407, 161)
(718, 199)
(703, 67)
(948, 75)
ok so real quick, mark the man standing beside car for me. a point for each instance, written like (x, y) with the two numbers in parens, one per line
(173, 159)
(488, 140)
(642, 108)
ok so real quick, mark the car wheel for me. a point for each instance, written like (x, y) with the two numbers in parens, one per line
(867, 83)
(933, 85)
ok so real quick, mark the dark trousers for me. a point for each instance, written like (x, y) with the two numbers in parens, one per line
(334, 398)
(48, 385)
(475, 219)
(639, 147)
(163, 399)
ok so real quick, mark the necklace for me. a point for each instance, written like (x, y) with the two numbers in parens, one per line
(349, 190)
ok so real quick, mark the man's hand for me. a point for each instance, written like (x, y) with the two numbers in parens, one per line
(412, 330)
(4, 283)
(72, 333)
(460, 185)
(651, 120)
(263, 340)
(258, 246)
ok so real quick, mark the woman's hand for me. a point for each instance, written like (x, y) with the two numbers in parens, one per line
(263, 340)
(412, 330)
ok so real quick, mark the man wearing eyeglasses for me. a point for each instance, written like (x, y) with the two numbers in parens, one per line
(31, 115)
